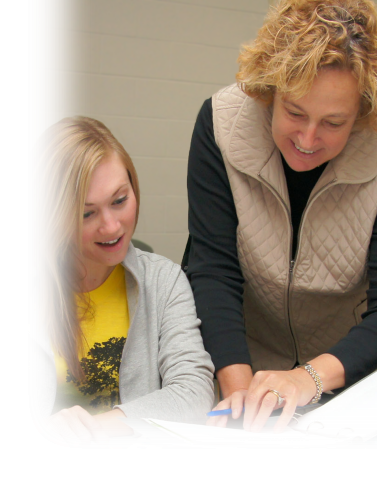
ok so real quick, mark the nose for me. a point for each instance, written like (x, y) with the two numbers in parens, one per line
(109, 223)
(307, 136)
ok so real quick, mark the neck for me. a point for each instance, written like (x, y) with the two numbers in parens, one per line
(94, 279)
(84, 278)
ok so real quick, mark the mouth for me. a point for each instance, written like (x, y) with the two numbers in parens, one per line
(110, 243)
(303, 150)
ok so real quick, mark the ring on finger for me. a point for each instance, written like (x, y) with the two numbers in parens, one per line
(277, 394)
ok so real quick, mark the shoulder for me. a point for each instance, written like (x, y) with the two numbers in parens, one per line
(155, 268)
(229, 96)
(156, 261)
(163, 282)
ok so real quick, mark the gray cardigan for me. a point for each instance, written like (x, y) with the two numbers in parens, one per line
(165, 373)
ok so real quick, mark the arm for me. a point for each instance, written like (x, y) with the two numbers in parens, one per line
(351, 359)
(357, 351)
(172, 371)
(214, 271)
(236, 377)
(169, 375)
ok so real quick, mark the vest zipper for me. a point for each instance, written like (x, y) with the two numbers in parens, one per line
(292, 262)
(291, 266)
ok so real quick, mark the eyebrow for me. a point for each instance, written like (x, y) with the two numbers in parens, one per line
(115, 193)
(338, 114)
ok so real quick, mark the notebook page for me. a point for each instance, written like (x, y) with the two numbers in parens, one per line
(208, 436)
(351, 415)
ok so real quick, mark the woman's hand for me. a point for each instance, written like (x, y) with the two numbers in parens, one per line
(235, 401)
(296, 387)
(74, 427)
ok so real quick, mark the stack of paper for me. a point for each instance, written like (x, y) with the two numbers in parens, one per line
(349, 418)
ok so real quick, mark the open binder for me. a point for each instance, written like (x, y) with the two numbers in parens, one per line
(350, 415)
(349, 418)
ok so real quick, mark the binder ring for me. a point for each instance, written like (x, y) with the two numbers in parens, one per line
(338, 433)
(315, 422)
(294, 418)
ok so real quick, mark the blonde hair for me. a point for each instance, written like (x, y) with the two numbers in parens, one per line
(300, 37)
(69, 152)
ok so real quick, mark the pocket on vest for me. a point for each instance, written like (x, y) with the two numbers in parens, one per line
(360, 309)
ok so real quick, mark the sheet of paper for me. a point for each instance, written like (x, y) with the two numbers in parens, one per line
(351, 415)
(166, 433)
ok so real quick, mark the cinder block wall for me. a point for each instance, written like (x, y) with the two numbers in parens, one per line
(144, 67)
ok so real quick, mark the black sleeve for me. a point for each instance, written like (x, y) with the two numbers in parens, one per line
(213, 268)
(358, 350)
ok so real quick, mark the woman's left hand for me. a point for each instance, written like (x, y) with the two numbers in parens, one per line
(296, 387)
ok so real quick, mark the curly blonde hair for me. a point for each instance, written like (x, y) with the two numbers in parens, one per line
(300, 37)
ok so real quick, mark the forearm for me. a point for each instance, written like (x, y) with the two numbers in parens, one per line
(234, 378)
(112, 424)
(213, 270)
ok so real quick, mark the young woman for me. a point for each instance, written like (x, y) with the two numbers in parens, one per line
(124, 337)
(282, 185)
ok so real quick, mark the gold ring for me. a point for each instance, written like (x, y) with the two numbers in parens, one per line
(277, 394)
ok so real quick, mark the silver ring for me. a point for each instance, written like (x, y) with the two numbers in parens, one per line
(280, 399)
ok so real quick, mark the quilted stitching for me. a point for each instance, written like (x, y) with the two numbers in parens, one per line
(334, 239)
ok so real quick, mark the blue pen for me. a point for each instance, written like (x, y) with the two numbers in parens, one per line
(227, 412)
(221, 412)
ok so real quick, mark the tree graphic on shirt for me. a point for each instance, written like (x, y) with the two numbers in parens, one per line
(101, 367)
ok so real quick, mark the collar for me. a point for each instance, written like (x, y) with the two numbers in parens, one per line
(133, 275)
(251, 138)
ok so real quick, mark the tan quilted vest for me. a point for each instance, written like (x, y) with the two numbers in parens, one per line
(296, 311)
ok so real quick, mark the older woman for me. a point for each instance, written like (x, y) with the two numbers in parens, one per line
(124, 338)
(282, 185)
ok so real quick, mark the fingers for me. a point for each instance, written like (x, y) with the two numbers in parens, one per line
(75, 425)
(256, 418)
(235, 402)
(263, 398)
(265, 394)
(220, 421)
(286, 415)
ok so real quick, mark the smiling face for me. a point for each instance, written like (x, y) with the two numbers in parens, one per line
(109, 220)
(315, 128)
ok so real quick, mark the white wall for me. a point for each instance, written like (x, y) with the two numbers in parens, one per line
(144, 67)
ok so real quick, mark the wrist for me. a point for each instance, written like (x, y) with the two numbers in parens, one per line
(112, 423)
(316, 379)
(330, 370)
(236, 377)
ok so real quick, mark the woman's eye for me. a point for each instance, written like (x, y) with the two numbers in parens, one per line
(295, 114)
(331, 124)
(121, 200)
(87, 214)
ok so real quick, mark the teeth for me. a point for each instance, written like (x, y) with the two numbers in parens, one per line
(111, 242)
(303, 150)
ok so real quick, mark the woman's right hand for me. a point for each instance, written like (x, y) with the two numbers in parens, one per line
(73, 427)
(235, 401)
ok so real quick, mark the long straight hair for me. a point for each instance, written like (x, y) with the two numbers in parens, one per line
(69, 152)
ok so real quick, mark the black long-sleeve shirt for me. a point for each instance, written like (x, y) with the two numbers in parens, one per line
(214, 270)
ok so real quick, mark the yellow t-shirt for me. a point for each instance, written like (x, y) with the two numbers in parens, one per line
(105, 329)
